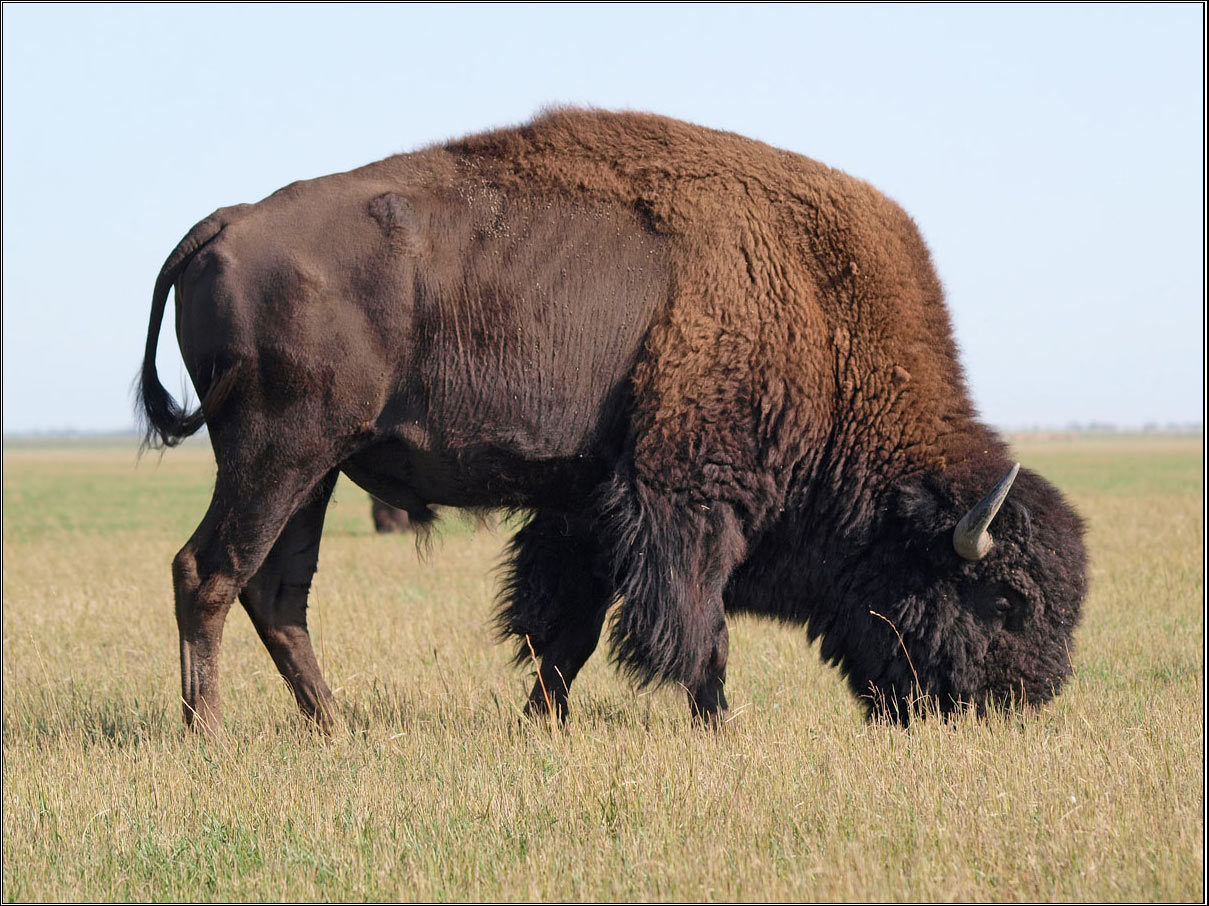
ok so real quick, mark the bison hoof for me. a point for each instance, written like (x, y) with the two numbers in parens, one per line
(540, 710)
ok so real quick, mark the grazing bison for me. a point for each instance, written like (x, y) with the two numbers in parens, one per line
(388, 518)
(720, 376)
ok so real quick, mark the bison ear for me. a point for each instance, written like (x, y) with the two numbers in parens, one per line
(398, 218)
(923, 513)
(921, 506)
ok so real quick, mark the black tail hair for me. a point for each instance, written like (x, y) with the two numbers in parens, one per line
(165, 421)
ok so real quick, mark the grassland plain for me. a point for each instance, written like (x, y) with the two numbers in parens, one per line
(432, 788)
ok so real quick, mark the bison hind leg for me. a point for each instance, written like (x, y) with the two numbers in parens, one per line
(223, 555)
(276, 600)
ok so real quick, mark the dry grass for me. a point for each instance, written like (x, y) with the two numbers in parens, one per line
(434, 789)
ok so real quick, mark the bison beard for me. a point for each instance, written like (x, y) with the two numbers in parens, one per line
(719, 376)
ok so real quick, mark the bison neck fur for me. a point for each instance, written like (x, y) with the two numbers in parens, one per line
(720, 376)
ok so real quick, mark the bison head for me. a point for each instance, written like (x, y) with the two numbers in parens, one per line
(964, 598)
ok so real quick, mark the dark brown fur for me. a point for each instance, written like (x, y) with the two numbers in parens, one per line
(714, 371)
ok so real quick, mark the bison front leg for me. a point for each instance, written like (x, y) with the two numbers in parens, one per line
(276, 598)
(554, 602)
(673, 560)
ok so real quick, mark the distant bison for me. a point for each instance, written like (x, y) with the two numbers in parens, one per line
(388, 518)
(720, 377)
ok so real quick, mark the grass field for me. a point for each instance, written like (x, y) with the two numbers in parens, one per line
(432, 788)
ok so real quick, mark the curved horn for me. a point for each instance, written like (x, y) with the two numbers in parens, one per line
(971, 539)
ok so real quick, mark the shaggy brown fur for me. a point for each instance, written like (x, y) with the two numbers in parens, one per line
(713, 370)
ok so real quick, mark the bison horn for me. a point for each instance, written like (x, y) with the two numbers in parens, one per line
(971, 538)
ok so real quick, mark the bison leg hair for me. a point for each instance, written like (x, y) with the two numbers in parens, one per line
(275, 598)
(673, 559)
(554, 600)
(226, 550)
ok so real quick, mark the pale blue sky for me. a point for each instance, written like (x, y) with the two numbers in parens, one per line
(1052, 155)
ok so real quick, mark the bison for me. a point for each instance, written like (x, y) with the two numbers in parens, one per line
(718, 376)
(388, 518)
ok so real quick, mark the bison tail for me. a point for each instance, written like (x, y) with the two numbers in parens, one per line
(165, 421)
